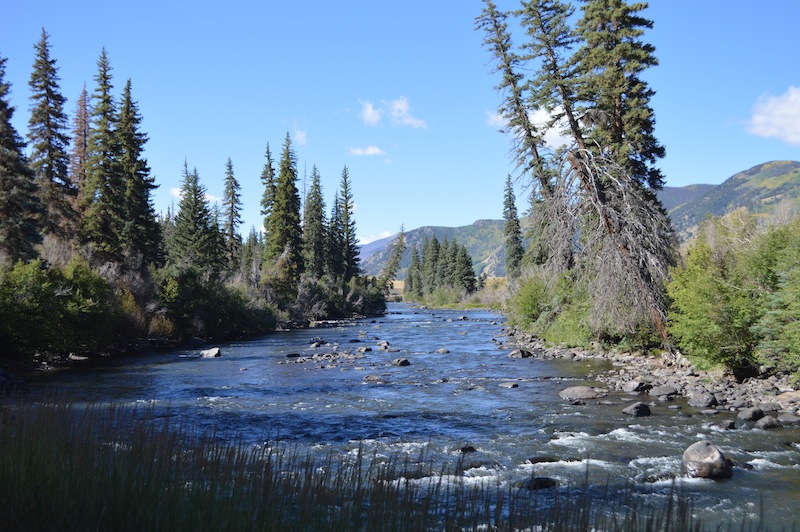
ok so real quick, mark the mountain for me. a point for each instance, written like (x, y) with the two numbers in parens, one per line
(761, 189)
(483, 240)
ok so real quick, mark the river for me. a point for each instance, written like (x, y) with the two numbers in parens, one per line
(460, 390)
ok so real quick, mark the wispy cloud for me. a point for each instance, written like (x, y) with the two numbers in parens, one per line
(369, 114)
(495, 120)
(366, 239)
(175, 192)
(369, 150)
(400, 113)
(300, 137)
(777, 117)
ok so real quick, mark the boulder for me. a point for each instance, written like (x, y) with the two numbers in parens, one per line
(442, 351)
(704, 460)
(667, 391)
(750, 414)
(574, 393)
(520, 353)
(703, 400)
(543, 459)
(637, 410)
(539, 483)
(767, 423)
(214, 352)
(508, 385)
(727, 425)
(789, 419)
(401, 362)
(636, 385)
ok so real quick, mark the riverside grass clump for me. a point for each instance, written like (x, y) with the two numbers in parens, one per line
(114, 468)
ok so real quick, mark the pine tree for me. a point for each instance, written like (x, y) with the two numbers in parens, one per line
(352, 260)
(79, 156)
(393, 265)
(314, 228)
(141, 233)
(430, 260)
(47, 137)
(195, 235)
(252, 253)
(20, 208)
(612, 60)
(284, 234)
(413, 284)
(232, 208)
(512, 233)
(268, 197)
(102, 199)
(334, 242)
(465, 276)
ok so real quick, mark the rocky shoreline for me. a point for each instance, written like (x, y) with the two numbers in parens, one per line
(767, 401)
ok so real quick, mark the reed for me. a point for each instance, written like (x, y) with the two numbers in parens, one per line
(63, 467)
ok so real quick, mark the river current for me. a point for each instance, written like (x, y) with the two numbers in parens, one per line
(460, 391)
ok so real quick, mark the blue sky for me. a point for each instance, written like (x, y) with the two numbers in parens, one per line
(401, 93)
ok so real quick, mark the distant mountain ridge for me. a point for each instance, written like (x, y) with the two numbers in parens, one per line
(761, 189)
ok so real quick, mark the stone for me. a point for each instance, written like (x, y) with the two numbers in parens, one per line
(543, 459)
(636, 386)
(442, 351)
(667, 391)
(704, 460)
(364, 349)
(468, 449)
(214, 352)
(373, 378)
(727, 425)
(293, 355)
(401, 362)
(508, 385)
(767, 423)
(520, 353)
(539, 483)
(789, 419)
(637, 410)
(574, 393)
(750, 414)
(703, 400)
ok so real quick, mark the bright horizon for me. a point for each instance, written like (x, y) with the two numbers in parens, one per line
(404, 97)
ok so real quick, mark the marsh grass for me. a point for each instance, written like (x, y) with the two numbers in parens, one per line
(112, 468)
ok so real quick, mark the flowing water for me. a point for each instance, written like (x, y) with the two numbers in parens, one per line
(472, 395)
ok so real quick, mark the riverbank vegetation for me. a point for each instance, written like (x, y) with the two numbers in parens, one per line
(86, 264)
(441, 274)
(70, 468)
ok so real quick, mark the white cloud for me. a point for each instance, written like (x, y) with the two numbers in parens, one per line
(400, 111)
(175, 192)
(777, 117)
(213, 199)
(300, 137)
(495, 120)
(372, 238)
(369, 150)
(369, 114)
(553, 138)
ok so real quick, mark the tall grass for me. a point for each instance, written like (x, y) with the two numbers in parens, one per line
(69, 468)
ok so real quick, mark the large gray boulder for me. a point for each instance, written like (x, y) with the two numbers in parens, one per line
(767, 423)
(750, 414)
(520, 353)
(704, 460)
(574, 393)
(703, 400)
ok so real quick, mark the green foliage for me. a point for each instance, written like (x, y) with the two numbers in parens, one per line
(512, 232)
(314, 228)
(232, 208)
(734, 300)
(284, 233)
(194, 243)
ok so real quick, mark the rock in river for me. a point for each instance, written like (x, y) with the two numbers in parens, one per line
(637, 410)
(520, 353)
(214, 352)
(704, 460)
(580, 392)
(401, 362)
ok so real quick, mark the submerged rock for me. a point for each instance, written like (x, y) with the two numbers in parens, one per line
(539, 483)
(750, 414)
(704, 460)
(401, 362)
(520, 353)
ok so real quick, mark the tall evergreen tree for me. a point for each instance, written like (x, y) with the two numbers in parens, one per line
(103, 196)
(48, 139)
(195, 235)
(268, 180)
(334, 242)
(393, 265)
(232, 208)
(612, 60)
(512, 233)
(352, 260)
(79, 156)
(430, 260)
(413, 281)
(314, 228)
(284, 234)
(19, 204)
(141, 233)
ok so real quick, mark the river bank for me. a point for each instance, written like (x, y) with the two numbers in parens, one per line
(663, 378)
